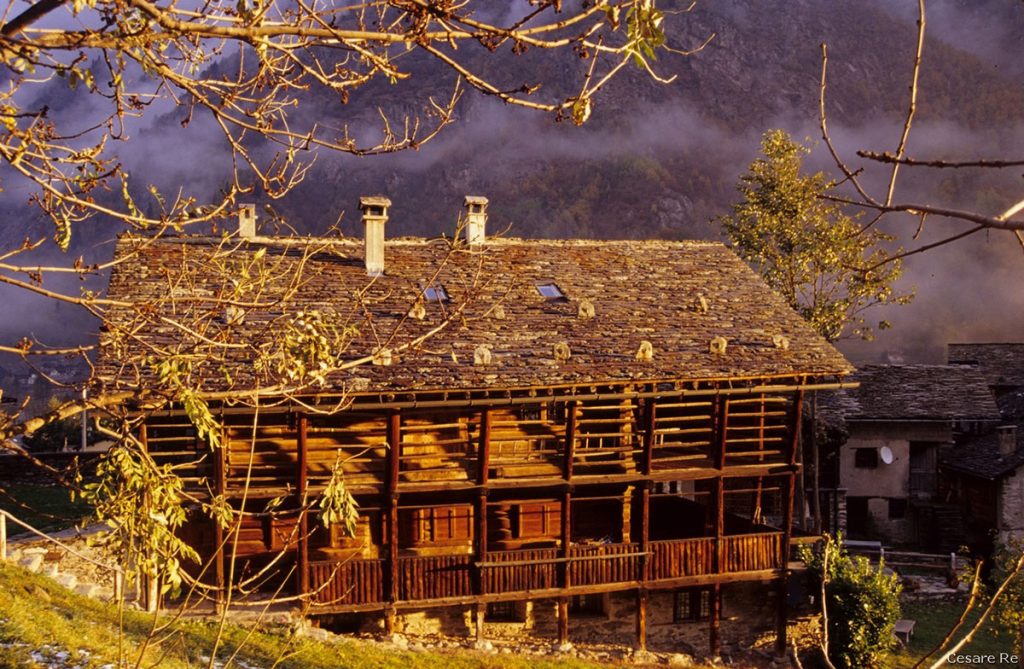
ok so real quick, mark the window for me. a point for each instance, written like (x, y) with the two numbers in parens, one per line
(539, 520)
(865, 458)
(897, 509)
(691, 605)
(436, 293)
(506, 612)
(438, 525)
(587, 605)
(550, 291)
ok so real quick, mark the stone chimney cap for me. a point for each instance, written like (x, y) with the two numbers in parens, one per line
(374, 201)
(476, 199)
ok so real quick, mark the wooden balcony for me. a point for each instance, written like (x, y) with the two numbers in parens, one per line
(360, 584)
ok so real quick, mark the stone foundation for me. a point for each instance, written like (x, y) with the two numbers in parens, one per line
(748, 613)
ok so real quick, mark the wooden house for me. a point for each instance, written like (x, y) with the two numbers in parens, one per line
(543, 421)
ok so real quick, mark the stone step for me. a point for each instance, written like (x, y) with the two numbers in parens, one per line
(69, 581)
(32, 563)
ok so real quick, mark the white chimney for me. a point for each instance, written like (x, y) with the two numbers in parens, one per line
(1007, 435)
(476, 219)
(375, 215)
(247, 221)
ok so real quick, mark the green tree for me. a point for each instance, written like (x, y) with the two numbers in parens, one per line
(827, 265)
(861, 604)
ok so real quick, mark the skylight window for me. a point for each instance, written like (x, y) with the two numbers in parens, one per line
(550, 291)
(436, 293)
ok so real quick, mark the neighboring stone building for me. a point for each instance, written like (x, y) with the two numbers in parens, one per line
(987, 474)
(986, 477)
(899, 422)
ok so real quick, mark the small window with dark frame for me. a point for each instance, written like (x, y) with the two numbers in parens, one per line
(550, 291)
(865, 458)
(691, 605)
(897, 509)
(436, 293)
(505, 612)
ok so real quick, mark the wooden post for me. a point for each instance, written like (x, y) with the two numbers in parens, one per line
(782, 588)
(649, 424)
(641, 619)
(394, 439)
(566, 539)
(718, 490)
(483, 474)
(569, 452)
(3, 536)
(645, 532)
(563, 621)
(715, 635)
(302, 487)
(484, 448)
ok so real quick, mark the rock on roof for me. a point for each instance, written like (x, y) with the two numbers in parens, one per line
(1002, 364)
(913, 392)
(640, 291)
(981, 457)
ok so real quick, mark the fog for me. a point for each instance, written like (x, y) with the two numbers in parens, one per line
(696, 139)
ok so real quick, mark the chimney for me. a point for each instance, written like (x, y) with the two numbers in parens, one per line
(476, 219)
(1007, 435)
(247, 221)
(375, 215)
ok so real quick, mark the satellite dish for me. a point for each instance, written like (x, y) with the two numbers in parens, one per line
(885, 453)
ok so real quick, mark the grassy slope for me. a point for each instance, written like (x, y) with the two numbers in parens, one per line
(35, 612)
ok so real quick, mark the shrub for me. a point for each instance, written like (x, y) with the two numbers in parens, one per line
(861, 604)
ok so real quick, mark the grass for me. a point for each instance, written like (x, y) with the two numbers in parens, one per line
(934, 620)
(36, 612)
(46, 507)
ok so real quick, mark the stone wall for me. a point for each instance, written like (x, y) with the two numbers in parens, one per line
(748, 612)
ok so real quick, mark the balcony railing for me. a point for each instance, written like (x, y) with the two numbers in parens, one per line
(360, 582)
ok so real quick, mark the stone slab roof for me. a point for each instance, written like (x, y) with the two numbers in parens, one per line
(639, 290)
(912, 392)
(980, 457)
(1002, 364)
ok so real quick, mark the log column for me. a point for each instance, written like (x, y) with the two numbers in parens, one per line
(718, 508)
(782, 592)
(564, 573)
(302, 488)
(483, 477)
(394, 441)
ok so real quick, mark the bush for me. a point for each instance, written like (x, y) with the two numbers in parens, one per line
(861, 603)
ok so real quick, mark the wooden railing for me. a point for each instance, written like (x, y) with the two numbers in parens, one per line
(752, 552)
(605, 563)
(685, 557)
(347, 583)
(434, 577)
(535, 569)
(446, 576)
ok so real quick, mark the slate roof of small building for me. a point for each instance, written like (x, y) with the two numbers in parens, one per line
(981, 457)
(640, 291)
(1001, 363)
(912, 392)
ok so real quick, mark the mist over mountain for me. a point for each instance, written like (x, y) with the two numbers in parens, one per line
(662, 160)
